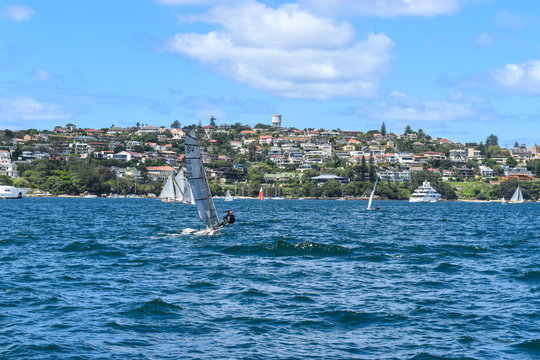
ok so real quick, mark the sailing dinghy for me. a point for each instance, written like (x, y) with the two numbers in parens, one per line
(228, 196)
(371, 196)
(200, 188)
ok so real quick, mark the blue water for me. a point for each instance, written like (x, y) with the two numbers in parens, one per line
(291, 279)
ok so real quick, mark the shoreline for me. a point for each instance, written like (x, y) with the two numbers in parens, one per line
(267, 199)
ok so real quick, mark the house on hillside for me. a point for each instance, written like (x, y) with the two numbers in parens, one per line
(160, 173)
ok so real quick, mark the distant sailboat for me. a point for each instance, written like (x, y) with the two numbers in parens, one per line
(228, 196)
(341, 198)
(372, 193)
(503, 201)
(170, 191)
(261, 197)
(200, 189)
(176, 189)
(517, 198)
(187, 196)
(276, 195)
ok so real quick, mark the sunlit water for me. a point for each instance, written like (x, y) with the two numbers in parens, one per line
(291, 279)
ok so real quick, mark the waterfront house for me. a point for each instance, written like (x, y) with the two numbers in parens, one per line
(160, 173)
(321, 179)
(394, 176)
(486, 171)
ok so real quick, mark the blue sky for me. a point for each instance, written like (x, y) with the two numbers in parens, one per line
(459, 69)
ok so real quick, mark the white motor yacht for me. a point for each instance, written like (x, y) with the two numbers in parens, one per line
(11, 192)
(425, 193)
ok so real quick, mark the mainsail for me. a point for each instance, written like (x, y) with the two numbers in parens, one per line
(184, 192)
(228, 196)
(371, 196)
(199, 183)
(168, 191)
(181, 184)
(261, 197)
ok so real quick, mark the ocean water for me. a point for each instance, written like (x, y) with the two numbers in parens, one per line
(291, 279)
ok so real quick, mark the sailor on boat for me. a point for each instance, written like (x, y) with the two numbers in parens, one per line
(228, 219)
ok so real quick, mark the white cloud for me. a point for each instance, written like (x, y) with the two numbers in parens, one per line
(402, 107)
(289, 52)
(470, 99)
(13, 110)
(193, 2)
(484, 39)
(510, 21)
(519, 77)
(41, 75)
(384, 8)
(17, 13)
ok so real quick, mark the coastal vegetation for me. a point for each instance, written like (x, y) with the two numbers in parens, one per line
(72, 161)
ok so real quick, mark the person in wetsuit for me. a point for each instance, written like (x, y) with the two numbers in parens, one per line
(228, 219)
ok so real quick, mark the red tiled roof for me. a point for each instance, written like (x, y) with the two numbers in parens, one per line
(160, 168)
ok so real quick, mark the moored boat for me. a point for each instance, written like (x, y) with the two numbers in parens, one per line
(425, 193)
(11, 192)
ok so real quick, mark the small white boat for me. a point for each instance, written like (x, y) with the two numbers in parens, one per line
(425, 193)
(90, 196)
(11, 192)
(228, 196)
(503, 201)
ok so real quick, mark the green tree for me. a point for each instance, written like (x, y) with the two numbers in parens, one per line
(176, 124)
(371, 169)
(331, 188)
(516, 144)
(408, 130)
(212, 121)
(492, 140)
(363, 168)
(383, 129)
(510, 161)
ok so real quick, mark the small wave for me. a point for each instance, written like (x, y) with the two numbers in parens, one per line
(532, 276)
(156, 307)
(531, 346)
(283, 248)
(426, 356)
(357, 318)
(447, 267)
(201, 285)
(93, 246)
(462, 250)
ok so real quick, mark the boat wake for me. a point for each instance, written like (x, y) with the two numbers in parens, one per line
(198, 232)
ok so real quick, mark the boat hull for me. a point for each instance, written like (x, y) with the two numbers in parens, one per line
(430, 200)
(10, 192)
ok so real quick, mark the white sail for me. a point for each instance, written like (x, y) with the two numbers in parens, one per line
(199, 183)
(503, 201)
(180, 185)
(188, 195)
(228, 196)
(168, 189)
(371, 196)
(517, 198)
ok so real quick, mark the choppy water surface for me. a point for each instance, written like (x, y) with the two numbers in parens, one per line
(291, 279)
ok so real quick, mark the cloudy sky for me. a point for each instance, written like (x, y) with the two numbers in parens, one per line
(459, 69)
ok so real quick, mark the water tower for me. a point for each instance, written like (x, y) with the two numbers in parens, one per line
(276, 120)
